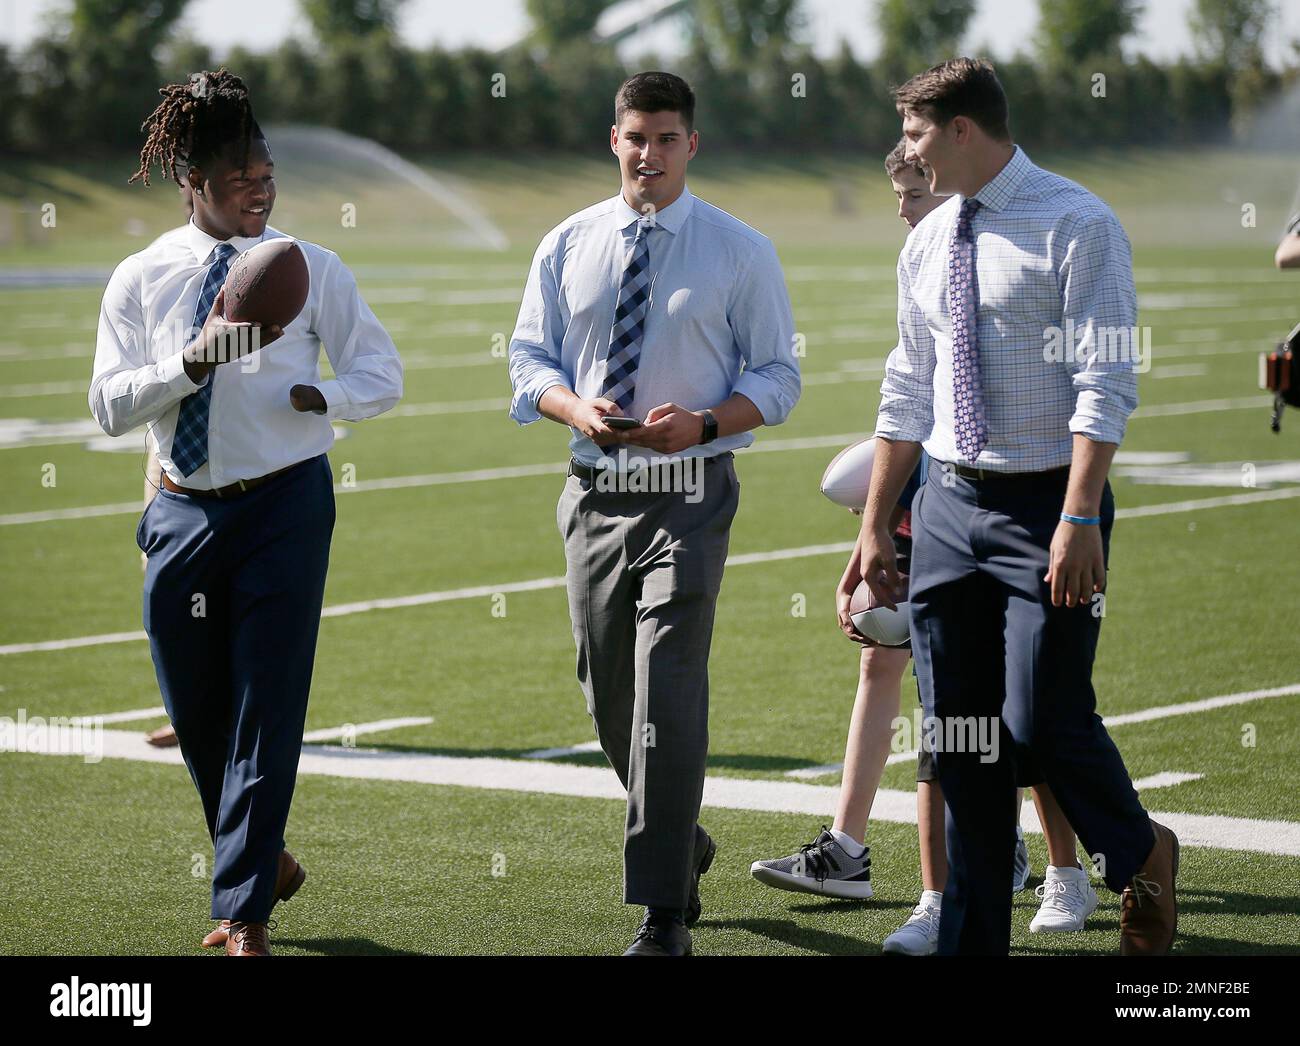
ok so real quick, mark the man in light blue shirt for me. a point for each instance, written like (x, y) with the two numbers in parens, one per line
(658, 329)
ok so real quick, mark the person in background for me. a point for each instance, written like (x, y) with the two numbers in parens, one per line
(1288, 251)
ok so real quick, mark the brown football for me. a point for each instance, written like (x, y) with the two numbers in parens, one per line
(268, 284)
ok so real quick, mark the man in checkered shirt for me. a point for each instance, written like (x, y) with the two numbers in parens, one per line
(1014, 369)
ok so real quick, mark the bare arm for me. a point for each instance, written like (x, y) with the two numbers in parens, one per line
(1077, 566)
(1288, 252)
(895, 461)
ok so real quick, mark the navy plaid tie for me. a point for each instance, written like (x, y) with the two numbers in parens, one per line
(963, 292)
(629, 321)
(190, 443)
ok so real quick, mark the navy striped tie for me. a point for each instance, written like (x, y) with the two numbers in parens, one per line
(190, 443)
(629, 321)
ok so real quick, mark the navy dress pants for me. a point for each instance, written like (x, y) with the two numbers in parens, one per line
(989, 645)
(232, 602)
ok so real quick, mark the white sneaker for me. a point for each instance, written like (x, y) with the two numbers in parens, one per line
(919, 935)
(1067, 901)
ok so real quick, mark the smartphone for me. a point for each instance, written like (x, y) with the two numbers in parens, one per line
(621, 423)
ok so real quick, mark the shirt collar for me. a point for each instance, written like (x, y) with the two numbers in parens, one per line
(202, 244)
(1001, 189)
(672, 217)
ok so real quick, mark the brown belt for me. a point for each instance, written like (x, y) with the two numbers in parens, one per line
(240, 486)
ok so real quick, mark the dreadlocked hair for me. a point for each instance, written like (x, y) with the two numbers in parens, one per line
(194, 121)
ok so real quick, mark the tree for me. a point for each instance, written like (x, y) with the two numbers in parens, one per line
(338, 21)
(559, 22)
(736, 31)
(1075, 30)
(1230, 32)
(916, 34)
(1229, 36)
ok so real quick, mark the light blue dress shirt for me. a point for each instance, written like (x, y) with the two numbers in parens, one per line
(718, 320)
(1049, 256)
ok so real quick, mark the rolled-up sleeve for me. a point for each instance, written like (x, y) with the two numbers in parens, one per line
(907, 393)
(763, 326)
(537, 343)
(1099, 303)
(368, 371)
(126, 388)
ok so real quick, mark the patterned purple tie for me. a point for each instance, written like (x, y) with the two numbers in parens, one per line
(963, 294)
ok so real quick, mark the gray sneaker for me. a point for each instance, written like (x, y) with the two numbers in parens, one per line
(1020, 871)
(822, 867)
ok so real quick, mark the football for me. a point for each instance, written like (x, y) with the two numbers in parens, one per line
(879, 624)
(848, 477)
(268, 284)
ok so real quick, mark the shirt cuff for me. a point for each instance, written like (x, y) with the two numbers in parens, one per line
(763, 394)
(335, 400)
(523, 407)
(908, 430)
(172, 372)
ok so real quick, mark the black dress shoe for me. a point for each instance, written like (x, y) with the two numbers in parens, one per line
(703, 859)
(662, 933)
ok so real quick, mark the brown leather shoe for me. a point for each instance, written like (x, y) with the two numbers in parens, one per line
(248, 939)
(287, 881)
(163, 737)
(1148, 918)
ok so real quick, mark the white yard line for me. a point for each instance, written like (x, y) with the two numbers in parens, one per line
(1165, 711)
(1110, 721)
(517, 471)
(1165, 779)
(539, 776)
(334, 733)
(128, 717)
(561, 753)
(1168, 410)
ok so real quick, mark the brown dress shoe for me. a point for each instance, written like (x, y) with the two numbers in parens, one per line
(248, 939)
(287, 881)
(1148, 918)
(163, 737)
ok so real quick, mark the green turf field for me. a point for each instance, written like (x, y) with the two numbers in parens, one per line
(1201, 595)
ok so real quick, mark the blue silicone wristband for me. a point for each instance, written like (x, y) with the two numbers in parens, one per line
(1086, 521)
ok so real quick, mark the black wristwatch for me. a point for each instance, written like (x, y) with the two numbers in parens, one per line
(710, 427)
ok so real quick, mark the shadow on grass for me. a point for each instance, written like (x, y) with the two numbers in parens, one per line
(340, 946)
(770, 763)
(783, 931)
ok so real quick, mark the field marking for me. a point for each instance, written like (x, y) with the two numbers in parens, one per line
(1180, 370)
(1169, 410)
(1226, 700)
(536, 584)
(331, 733)
(560, 753)
(539, 776)
(807, 773)
(1120, 719)
(126, 717)
(1227, 500)
(1165, 779)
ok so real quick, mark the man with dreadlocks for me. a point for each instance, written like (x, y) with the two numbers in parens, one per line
(238, 537)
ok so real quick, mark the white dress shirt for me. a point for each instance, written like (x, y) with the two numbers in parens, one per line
(139, 378)
(718, 319)
(1047, 253)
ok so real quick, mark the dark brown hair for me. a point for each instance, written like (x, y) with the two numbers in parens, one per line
(959, 87)
(897, 161)
(656, 93)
